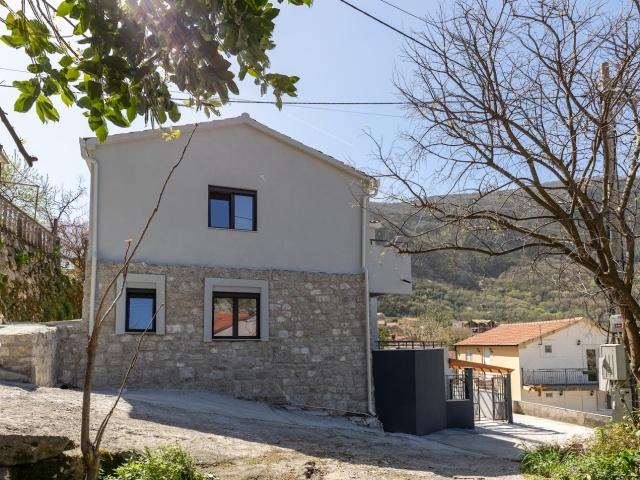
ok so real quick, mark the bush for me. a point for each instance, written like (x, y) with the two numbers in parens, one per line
(611, 454)
(166, 463)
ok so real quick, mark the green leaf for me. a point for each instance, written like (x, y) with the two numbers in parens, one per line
(174, 113)
(24, 102)
(35, 68)
(45, 110)
(65, 61)
(102, 132)
(115, 117)
(72, 74)
(67, 96)
(64, 8)
(85, 102)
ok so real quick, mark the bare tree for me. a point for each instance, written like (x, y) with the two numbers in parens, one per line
(526, 136)
(91, 448)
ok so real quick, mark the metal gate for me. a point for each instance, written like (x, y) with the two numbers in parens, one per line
(490, 399)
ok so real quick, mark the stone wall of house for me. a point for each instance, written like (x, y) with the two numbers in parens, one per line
(71, 354)
(316, 353)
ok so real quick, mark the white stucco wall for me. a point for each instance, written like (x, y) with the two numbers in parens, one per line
(307, 216)
(581, 400)
(566, 353)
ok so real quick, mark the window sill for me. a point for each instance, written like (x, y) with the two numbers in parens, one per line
(231, 229)
(213, 340)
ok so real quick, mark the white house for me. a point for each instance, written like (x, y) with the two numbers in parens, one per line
(260, 253)
(554, 362)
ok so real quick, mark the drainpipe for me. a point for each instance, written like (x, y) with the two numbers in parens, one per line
(365, 235)
(93, 220)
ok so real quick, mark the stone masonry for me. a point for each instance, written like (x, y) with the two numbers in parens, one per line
(27, 353)
(316, 353)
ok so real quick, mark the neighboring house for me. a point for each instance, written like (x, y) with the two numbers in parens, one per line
(554, 362)
(261, 254)
(475, 326)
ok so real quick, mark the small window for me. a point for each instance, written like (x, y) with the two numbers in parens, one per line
(133, 295)
(232, 208)
(548, 394)
(548, 349)
(141, 308)
(469, 355)
(236, 315)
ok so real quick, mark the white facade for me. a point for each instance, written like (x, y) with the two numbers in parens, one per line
(309, 213)
(574, 348)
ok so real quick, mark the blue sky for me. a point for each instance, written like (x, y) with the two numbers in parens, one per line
(339, 54)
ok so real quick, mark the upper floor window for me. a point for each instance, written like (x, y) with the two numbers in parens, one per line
(232, 208)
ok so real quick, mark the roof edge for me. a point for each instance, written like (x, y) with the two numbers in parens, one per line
(92, 143)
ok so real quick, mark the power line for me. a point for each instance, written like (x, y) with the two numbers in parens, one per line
(13, 70)
(347, 111)
(318, 103)
(385, 24)
(398, 8)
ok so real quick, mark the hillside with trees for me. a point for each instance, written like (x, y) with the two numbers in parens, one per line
(511, 288)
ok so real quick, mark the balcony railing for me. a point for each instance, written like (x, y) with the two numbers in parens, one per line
(14, 220)
(560, 376)
(410, 344)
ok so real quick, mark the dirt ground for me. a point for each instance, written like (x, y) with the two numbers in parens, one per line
(237, 439)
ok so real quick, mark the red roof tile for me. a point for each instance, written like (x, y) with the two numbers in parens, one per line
(517, 333)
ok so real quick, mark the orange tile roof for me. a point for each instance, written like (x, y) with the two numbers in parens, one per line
(518, 333)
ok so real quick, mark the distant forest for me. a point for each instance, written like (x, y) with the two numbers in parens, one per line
(507, 289)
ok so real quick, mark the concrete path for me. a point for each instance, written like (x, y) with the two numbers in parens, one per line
(507, 441)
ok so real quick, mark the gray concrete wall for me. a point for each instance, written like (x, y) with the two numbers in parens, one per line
(315, 353)
(560, 414)
(308, 205)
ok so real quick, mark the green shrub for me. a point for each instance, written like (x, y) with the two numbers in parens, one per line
(565, 463)
(542, 460)
(166, 463)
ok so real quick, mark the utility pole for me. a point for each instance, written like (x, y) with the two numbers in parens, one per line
(621, 393)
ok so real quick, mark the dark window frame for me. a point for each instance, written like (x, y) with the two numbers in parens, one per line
(232, 192)
(235, 296)
(140, 293)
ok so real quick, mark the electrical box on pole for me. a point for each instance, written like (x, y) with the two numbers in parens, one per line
(615, 323)
(613, 363)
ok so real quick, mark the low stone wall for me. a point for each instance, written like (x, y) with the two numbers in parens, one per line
(315, 355)
(29, 350)
(560, 414)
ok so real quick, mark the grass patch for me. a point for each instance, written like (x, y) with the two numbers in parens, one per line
(166, 463)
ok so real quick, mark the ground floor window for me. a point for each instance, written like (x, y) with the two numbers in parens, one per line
(236, 315)
(141, 309)
(143, 296)
(236, 309)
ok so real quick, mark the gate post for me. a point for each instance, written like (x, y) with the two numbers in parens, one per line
(507, 395)
(468, 384)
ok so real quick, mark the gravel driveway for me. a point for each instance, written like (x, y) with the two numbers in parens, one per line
(238, 439)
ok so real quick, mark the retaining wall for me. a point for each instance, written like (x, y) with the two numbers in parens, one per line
(560, 414)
